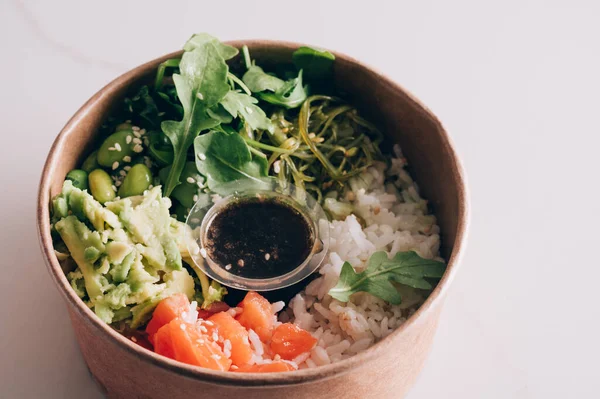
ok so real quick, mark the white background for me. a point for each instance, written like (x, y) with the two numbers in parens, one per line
(517, 85)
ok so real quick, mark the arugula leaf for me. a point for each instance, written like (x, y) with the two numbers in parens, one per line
(202, 84)
(244, 106)
(199, 39)
(220, 113)
(258, 80)
(223, 157)
(316, 63)
(405, 268)
(269, 88)
(291, 95)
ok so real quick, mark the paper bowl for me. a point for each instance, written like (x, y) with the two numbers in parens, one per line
(386, 370)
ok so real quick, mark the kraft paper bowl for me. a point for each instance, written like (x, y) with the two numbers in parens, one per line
(386, 370)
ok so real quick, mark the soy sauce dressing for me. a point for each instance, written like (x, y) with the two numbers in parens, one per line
(259, 238)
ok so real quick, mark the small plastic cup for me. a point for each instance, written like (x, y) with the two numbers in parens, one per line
(210, 205)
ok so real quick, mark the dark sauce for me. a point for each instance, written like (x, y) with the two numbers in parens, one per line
(259, 238)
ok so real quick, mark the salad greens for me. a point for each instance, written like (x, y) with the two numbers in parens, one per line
(223, 157)
(288, 94)
(317, 63)
(201, 85)
(406, 268)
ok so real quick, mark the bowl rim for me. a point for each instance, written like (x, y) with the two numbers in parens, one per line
(248, 379)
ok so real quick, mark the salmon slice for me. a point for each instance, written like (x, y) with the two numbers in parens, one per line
(193, 347)
(257, 315)
(230, 329)
(162, 342)
(275, 367)
(289, 341)
(168, 309)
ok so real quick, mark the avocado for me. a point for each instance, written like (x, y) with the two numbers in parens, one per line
(128, 252)
(79, 238)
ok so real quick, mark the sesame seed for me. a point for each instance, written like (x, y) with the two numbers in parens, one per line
(112, 149)
(142, 131)
(311, 135)
(128, 139)
(203, 252)
(127, 158)
(234, 367)
(195, 198)
(202, 329)
(215, 337)
(276, 167)
(209, 323)
(215, 356)
(191, 180)
(195, 220)
(202, 157)
(248, 110)
(228, 267)
(150, 187)
(135, 128)
(137, 141)
(118, 183)
(182, 326)
(136, 134)
(118, 146)
(137, 148)
(115, 165)
(200, 96)
(127, 168)
(114, 188)
(267, 256)
(200, 341)
(134, 339)
(240, 263)
(122, 173)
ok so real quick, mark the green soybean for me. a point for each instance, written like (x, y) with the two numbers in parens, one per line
(117, 148)
(101, 186)
(137, 181)
(79, 178)
(91, 162)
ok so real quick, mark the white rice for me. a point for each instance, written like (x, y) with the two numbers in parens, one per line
(396, 219)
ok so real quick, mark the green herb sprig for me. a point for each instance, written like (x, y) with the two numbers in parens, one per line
(406, 268)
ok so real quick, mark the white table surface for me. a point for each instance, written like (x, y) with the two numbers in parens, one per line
(517, 85)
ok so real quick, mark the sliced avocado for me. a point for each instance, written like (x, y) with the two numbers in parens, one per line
(78, 237)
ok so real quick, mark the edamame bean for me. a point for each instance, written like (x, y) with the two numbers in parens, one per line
(136, 182)
(91, 162)
(79, 178)
(117, 148)
(101, 186)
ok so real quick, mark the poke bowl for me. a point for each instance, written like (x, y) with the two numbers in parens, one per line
(319, 176)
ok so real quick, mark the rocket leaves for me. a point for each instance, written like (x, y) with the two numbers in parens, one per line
(406, 268)
(201, 85)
